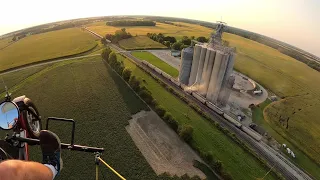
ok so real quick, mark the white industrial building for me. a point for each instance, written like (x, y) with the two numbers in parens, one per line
(207, 67)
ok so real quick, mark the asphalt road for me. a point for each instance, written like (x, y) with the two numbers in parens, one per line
(274, 159)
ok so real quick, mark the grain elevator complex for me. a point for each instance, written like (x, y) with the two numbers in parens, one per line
(206, 68)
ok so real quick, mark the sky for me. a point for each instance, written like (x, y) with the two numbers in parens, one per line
(296, 22)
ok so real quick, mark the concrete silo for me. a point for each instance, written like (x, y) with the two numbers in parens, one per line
(195, 64)
(207, 71)
(220, 78)
(226, 91)
(201, 63)
(214, 75)
(186, 63)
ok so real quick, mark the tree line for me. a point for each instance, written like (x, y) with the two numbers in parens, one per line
(171, 42)
(117, 36)
(130, 23)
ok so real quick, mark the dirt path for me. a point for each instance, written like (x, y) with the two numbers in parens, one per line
(161, 146)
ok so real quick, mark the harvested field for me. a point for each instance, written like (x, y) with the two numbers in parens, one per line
(161, 146)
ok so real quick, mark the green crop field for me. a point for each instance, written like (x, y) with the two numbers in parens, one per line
(46, 46)
(101, 104)
(11, 79)
(156, 62)
(140, 42)
(207, 137)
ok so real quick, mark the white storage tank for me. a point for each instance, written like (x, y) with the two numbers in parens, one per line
(195, 64)
(186, 63)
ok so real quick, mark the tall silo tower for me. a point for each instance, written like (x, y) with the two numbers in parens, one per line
(195, 64)
(207, 70)
(186, 63)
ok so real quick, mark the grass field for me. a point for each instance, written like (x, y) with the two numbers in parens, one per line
(156, 62)
(46, 46)
(305, 162)
(140, 42)
(207, 137)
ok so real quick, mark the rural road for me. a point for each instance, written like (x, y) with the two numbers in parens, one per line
(274, 159)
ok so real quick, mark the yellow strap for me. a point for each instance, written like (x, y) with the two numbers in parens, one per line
(97, 170)
(114, 171)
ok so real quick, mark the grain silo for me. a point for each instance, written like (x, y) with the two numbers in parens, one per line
(220, 78)
(207, 70)
(201, 63)
(227, 83)
(186, 63)
(195, 64)
(225, 93)
(214, 75)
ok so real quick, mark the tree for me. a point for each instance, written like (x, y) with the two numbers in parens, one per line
(103, 41)
(134, 83)
(171, 121)
(202, 39)
(109, 36)
(160, 40)
(160, 110)
(112, 59)
(126, 74)
(185, 132)
(217, 166)
(176, 46)
(167, 43)
(170, 39)
(146, 95)
(183, 46)
(208, 157)
(105, 53)
(185, 40)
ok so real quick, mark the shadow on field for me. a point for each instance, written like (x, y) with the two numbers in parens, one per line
(134, 103)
